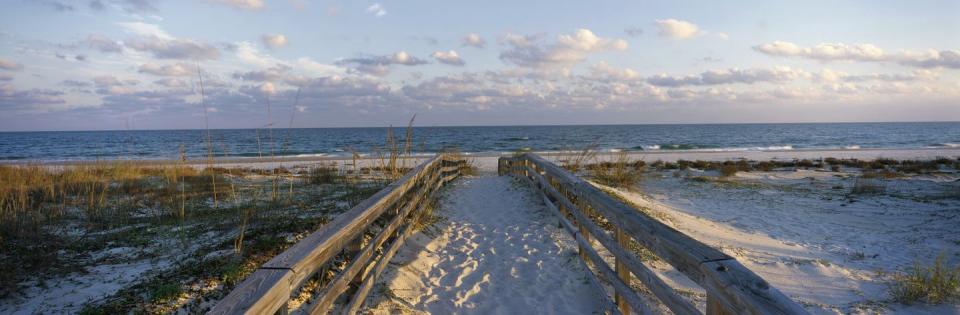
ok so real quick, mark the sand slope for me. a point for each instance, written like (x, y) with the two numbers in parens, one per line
(499, 252)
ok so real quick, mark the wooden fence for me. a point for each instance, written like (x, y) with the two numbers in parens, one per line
(268, 289)
(590, 214)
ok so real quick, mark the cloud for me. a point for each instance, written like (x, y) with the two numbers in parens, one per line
(633, 31)
(146, 30)
(567, 51)
(377, 10)
(97, 5)
(7, 64)
(60, 6)
(75, 83)
(824, 51)
(603, 71)
(474, 40)
(830, 76)
(677, 29)
(241, 4)
(171, 70)
(731, 76)
(162, 45)
(930, 58)
(276, 73)
(103, 44)
(183, 49)
(137, 6)
(274, 40)
(380, 65)
(448, 57)
(111, 85)
(6, 77)
(31, 100)
(172, 83)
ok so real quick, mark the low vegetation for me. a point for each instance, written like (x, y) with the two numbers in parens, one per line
(621, 171)
(933, 284)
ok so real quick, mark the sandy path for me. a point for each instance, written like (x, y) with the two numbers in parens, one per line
(499, 252)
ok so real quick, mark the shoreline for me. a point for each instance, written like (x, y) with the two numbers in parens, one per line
(648, 156)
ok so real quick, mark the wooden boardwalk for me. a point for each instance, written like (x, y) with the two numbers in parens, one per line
(373, 231)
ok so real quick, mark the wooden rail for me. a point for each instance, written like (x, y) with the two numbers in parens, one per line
(268, 289)
(731, 287)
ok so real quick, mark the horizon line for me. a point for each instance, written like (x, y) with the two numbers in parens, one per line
(512, 125)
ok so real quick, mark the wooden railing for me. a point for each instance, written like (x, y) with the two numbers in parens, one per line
(269, 289)
(731, 288)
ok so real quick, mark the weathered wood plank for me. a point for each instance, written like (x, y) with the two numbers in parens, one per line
(680, 250)
(266, 291)
(342, 280)
(741, 291)
(371, 279)
(610, 305)
(262, 291)
(736, 287)
(626, 293)
(622, 272)
(667, 295)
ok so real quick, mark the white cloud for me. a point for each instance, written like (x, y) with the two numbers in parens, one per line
(474, 40)
(448, 57)
(146, 29)
(171, 70)
(602, 70)
(930, 58)
(172, 83)
(677, 29)
(380, 65)
(824, 51)
(377, 10)
(274, 40)
(162, 45)
(242, 4)
(569, 50)
(731, 76)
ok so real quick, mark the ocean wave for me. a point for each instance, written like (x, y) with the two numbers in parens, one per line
(852, 147)
(517, 139)
(705, 148)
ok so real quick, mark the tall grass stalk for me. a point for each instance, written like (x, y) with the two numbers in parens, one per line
(206, 126)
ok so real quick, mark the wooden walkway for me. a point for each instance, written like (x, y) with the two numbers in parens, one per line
(489, 256)
(371, 233)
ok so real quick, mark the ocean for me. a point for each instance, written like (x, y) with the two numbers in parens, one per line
(166, 144)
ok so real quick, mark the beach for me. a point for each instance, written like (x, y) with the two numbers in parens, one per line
(772, 221)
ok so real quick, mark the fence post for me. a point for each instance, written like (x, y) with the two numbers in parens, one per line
(622, 271)
(714, 307)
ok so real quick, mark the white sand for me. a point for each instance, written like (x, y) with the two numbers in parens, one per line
(807, 239)
(499, 252)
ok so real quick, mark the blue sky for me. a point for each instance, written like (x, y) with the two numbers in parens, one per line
(117, 64)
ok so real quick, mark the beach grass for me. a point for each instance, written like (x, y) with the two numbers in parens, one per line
(936, 283)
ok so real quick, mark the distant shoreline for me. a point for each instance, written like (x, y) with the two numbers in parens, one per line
(649, 155)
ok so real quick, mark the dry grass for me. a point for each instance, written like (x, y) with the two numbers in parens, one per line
(575, 160)
(621, 171)
(935, 284)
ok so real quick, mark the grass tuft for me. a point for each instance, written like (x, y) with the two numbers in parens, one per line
(935, 284)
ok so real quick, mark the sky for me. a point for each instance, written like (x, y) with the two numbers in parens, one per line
(152, 64)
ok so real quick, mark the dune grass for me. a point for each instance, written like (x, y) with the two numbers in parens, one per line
(933, 284)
